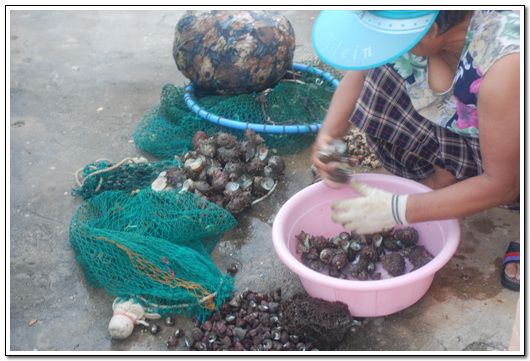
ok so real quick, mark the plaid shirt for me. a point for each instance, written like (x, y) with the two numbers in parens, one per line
(407, 144)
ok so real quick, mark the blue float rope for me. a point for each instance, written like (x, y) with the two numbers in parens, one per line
(265, 128)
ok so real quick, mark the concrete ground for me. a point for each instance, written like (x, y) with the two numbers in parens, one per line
(80, 82)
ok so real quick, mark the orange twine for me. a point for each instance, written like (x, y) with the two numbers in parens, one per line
(147, 268)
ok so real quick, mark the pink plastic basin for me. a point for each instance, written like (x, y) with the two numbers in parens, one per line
(309, 210)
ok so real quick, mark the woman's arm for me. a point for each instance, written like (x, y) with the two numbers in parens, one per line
(499, 120)
(337, 121)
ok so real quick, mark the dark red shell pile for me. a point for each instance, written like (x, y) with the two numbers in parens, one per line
(354, 256)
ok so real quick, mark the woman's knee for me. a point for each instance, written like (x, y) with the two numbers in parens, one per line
(441, 178)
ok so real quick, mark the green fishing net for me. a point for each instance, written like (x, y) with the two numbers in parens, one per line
(301, 98)
(153, 247)
(128, 175)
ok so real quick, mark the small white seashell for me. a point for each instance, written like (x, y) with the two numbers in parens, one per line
(160, 183)
(140, 160)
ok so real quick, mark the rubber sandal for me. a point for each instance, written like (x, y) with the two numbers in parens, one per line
(512, 256)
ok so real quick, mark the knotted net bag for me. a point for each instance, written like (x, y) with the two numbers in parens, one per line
(153, 247)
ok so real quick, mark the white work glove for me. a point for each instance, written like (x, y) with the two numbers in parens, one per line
(126, 315)
(374, 211)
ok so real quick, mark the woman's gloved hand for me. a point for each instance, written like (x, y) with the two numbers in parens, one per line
(374, 211)
(324, 170)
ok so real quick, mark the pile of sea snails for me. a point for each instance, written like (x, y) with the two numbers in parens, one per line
(230, 173)
(354, 256)
(358, 149)
(348, 153)
(259, 321)
(247, 322)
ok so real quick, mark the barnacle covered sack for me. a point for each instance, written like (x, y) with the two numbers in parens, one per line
(233, 52)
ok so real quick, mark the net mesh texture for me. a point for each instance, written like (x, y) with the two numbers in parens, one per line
(127, 175)
(302, 99)
(153, 247)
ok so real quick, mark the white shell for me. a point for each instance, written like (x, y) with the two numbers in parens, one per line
(160, 183)
(139, 160)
